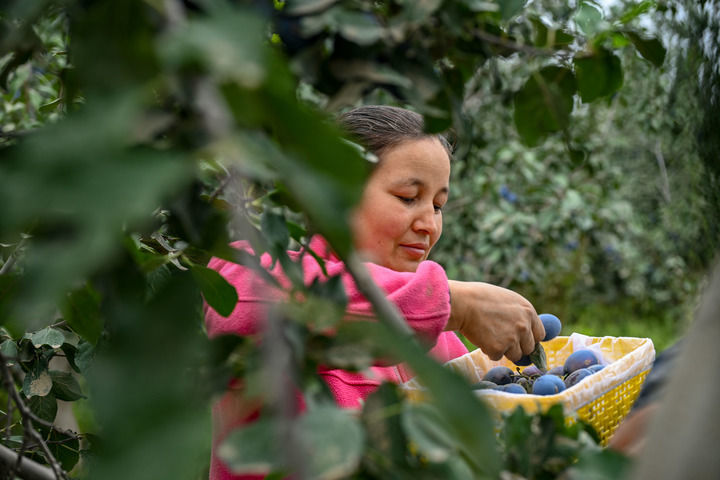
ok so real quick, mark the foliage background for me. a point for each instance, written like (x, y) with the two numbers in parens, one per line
(132, 132)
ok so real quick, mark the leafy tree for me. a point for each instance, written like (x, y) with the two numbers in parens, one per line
(133, 132)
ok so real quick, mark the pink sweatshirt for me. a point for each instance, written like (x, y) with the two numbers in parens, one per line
(423, 298)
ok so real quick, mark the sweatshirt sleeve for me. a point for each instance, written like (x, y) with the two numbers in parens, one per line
(422, 297)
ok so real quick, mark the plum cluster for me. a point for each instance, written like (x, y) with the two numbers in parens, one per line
(578, 366)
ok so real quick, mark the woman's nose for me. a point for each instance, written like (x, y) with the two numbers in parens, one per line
(425, 220)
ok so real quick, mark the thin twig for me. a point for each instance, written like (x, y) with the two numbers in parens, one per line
(386, 310)
(28, 418)
(7, 266)
(664, 182)
(518, 47)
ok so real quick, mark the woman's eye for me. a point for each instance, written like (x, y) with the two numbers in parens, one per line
(407, 200)
(438, 208)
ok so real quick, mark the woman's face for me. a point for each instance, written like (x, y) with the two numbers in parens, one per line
(399, 218)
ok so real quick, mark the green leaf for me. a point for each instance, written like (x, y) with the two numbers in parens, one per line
(636, 10)
(651, 48)
(65, 449)
(65, 386)
(588, 17)
(516, 434)
(418, 11)
(229, 42)
(9, 350)
(598, 75)
(37, 382)
(84, 356)
(47, 336)
(538, 357)
(333, 441)
(600, 464)
(218, 293)
(543, 105)
(307, 7)
(385, 432)
(510, 8)
(331, 438)
(426, 429)
(449, 393)
(359, 27)
(44, 407)
(275, 230)
(546, 37)
(81, 310)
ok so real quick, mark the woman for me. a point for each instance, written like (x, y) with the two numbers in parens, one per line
(395, 226)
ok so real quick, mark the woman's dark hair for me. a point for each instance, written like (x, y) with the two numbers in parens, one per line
(379, 128)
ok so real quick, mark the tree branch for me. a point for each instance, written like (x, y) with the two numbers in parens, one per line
(27, 469)
(503, 42)
(28, 417)
(664, 182)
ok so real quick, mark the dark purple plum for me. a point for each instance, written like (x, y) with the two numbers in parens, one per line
(552, 325)
(499, 375)
(580, 359)
(483, 385)
(524, 361)
(558, 371)
(548, 385)
(531, 370)
(576, 376)
(596, 368)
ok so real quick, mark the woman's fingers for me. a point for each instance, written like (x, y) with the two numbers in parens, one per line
(538, 329)
(498, 320)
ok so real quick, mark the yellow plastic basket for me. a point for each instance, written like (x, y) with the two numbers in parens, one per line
(602, 400)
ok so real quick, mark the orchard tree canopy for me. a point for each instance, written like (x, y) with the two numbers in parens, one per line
(139, 137)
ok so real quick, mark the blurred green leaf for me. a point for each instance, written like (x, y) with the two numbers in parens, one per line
(9, 350)
(359, 27)
(544, 103)
(426, 429)
(588, 17)
(385, 431)
(229, 43)
(598, 74)
(510, 8)
(332, 452)
(251, 449)
(546, 37)
(81, 310)
(637, 9)
(275, 230)
(600, 464)
(650, 48)
(331, 438)
(218, 293)
(306, 7)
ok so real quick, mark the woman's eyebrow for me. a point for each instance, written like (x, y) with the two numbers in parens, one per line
(415, 182)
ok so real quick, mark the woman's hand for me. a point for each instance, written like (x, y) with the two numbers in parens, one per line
(497, 320)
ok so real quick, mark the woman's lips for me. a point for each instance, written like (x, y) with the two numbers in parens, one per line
(416, 252)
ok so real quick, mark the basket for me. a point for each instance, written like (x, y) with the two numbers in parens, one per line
(602, 400)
